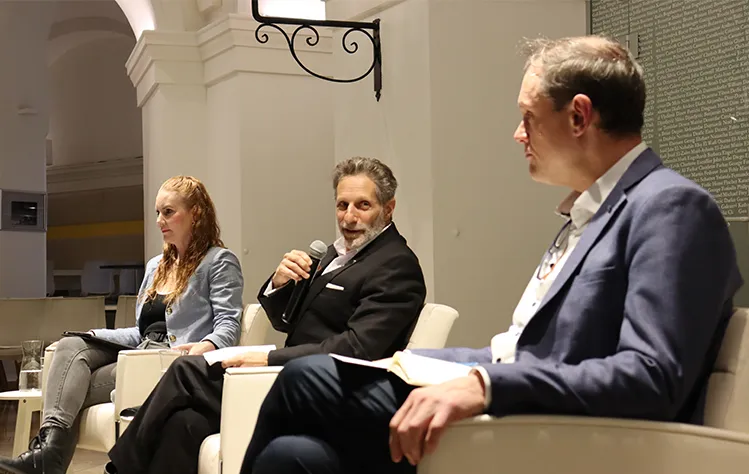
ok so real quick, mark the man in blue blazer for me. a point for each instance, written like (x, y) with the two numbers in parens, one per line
(623, 317)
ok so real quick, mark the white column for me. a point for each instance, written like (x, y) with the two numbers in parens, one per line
(451, 74)
(24, 103)
(167, 72)
(270, 137)
(247, 121)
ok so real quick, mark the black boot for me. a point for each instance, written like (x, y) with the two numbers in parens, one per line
(50, 452)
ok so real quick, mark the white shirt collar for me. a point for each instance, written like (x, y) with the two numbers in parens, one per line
(581, 207)
(340, 244)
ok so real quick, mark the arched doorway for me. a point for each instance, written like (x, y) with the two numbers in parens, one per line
(139, 14)
(94, 175)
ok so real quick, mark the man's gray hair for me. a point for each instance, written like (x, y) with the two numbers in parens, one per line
(376, 170)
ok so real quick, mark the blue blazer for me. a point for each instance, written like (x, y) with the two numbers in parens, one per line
(632, 324)
(210, 308)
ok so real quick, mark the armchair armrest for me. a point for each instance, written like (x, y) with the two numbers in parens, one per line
(541, 444)
(244, 392)
(138, 372)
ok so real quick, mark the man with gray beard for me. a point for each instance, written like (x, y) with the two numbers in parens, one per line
(362, 302)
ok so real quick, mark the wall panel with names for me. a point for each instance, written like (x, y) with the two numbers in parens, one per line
(697, 73)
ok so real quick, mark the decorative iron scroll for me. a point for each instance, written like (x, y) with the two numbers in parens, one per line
(308, 27)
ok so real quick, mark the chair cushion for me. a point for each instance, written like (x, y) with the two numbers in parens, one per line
(726, 406)
(255, 326)
(433, 327)
(209, 462)
(97, 428)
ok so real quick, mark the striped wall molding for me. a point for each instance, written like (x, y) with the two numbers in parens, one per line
(101, 229)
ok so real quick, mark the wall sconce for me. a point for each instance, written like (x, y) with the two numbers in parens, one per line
(312, 41)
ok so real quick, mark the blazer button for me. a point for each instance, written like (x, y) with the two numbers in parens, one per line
(172, 338)
(169, 311)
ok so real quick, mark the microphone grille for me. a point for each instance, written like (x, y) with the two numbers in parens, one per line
(318, 249)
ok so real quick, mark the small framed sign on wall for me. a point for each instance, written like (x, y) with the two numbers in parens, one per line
(23, 211)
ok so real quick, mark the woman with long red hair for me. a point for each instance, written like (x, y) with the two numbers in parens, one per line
(190, 299)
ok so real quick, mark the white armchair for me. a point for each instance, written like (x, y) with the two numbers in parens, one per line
(138, 372)
(245, 390)
(433, 327)
(540, 444)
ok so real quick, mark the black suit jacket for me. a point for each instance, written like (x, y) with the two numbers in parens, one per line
(371, 318)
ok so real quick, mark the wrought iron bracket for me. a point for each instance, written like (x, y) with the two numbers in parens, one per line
(351, 47)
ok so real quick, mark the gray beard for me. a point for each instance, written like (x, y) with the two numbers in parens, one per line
(369, 233)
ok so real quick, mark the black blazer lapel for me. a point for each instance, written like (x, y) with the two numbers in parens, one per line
(321, 280)
(318, 279)
(329, 257)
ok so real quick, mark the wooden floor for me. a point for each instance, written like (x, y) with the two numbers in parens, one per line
(84, 461)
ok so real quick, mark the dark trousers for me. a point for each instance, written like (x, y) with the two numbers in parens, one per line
(166, 434)
(322, 416)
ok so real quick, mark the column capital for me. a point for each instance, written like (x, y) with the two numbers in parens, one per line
(220, 50)
(164, 58)
(228, 46)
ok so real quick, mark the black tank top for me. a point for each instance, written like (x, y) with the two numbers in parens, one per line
(153, 311)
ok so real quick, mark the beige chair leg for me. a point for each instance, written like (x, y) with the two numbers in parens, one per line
(23, 424)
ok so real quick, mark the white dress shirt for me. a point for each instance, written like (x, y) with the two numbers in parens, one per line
(578, 209)
(344, 256)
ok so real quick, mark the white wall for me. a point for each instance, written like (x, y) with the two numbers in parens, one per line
(94, 115)
(397, 129)
(505, 220)
(23, 28)
(451, 76)
(287, 164)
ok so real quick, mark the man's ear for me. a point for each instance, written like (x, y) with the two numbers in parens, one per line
(581, 113)
(389, 208)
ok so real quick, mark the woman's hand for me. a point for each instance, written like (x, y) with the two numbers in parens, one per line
(196, 348)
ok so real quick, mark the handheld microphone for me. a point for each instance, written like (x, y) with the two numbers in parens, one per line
(317, 251)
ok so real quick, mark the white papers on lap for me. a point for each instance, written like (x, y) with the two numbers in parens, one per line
(220, 355)
(378, 364)
(414, 369)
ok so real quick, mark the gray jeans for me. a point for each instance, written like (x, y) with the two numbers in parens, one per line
(81, 375)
